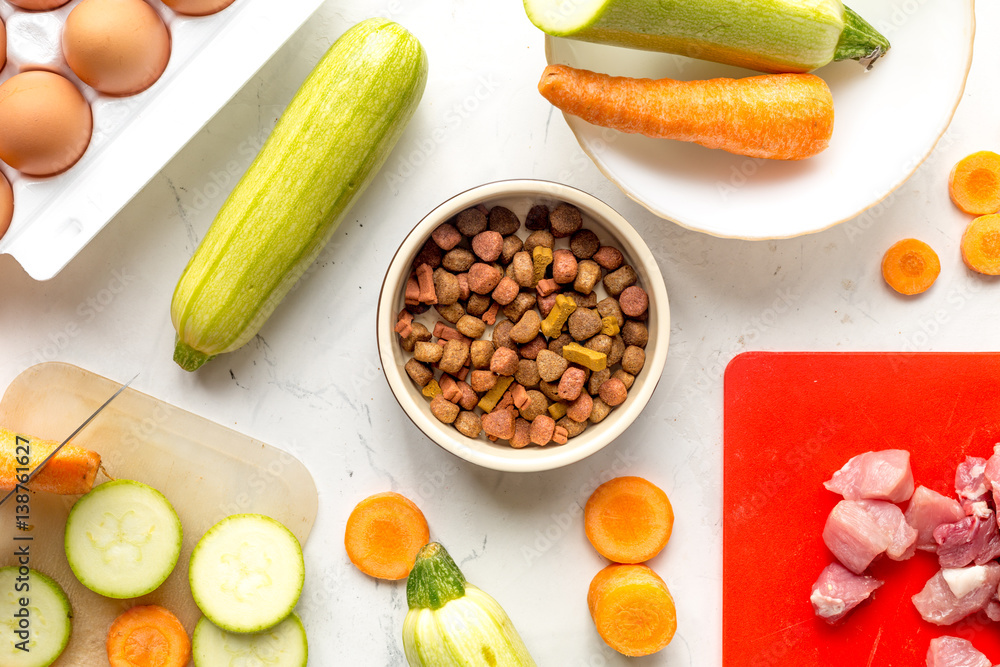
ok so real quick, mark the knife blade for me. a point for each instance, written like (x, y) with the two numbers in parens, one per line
(72, 435)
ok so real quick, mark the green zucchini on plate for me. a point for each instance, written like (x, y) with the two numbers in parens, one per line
(765, 35)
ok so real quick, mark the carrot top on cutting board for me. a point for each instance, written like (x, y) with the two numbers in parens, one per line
(628, 519)
(71, 471)
(910, 266)
(384, 533)
(775, 116)
(974, 183)
(148, 636)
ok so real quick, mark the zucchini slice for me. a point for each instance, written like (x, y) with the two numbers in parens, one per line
(284, 645)
(44, 618)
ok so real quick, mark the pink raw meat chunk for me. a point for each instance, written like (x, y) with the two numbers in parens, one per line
(993, 610)
(974, 538)
(838, 591)
(929, 509)
(938, 602)
(902, 536)
(884, 475)
(854, 535)
(954, 652)
(970, 482)
(992, 472)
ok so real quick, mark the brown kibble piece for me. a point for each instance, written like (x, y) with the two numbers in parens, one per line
(490, 316)
(418, 333)
(463, 286)
(584, 300)
(507, 289)
(443, 331)
(584, 244)
(456, 353)
(511, 246)
(443, 409)
(531, 349)
(560, 436)
(481, 352)
(452, 313)
(499, 424)
(634, 301)
(613, 392)
(565, 220)
(429, 353)
(471, 326)
(597, 378)
(633, 360)
(571, 384)
(446, 236)
(587, 275)
(430, 254)
(519, 395)
(600, 343)
(535, 404)
(564, 266)
(550, 389)
(538, 217)
(609, 258)
(503, 221)
(477, 304)
(419, 373)
(617, 281)
(404, 323)
(449, 388)
(523, 269)
(527, 327)
(546, 304)
(546, 287)
(501, 335)
(626, 378)
(522, 303)
(609, 307)
(527, 374)
(446, 287)
(573, 428)
(504, 361)
(541, 238)
(551, 366)
(522, 434)
(579, 410)
(458, 260)
(483, 278)
(584, 323)
(599, 411)
(482, 381)
(471, 221)
(617, 350)
(487, 245)
(469, 397)
(425, 279)
(542, 429)
(558, 343)
(635, 333)
(411, 295)
(507, 401)
(468, 424)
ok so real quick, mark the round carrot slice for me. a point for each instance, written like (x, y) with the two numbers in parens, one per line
(628, 519)
(910, 266)
(384, 533)
(148, 636)
(981, 245)
(974, 183)
(632, 609)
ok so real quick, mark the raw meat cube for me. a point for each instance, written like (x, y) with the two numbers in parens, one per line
(929, 509)
(883, 475)
(854, 535)
(974, 538)
(970, 482)
(938, 603)
(902, 536)
(954, 652)
(838, 591)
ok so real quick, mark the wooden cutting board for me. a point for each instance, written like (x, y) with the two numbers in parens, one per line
(791, 420)
(207, 472)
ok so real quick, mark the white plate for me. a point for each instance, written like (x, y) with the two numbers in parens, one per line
(887, 122)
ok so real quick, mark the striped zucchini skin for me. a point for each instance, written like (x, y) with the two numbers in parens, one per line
(765, 35)
(325, 149)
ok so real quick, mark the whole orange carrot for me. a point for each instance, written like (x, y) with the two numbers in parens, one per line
(70, 472)
(776, 116)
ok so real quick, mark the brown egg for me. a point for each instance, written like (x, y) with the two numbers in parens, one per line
(197, 7)
(6, 205)
(38, 5)
(46, 123)
(118, 47)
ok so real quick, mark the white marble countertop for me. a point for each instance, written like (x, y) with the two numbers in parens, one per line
(310, 382)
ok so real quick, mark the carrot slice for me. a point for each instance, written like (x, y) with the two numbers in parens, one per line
(774, 116)
(974, 183)
(910, 266)
(148, 636)
(384, 533)
(981, 245)
(632, 609)
(71, 471)
(628, 519)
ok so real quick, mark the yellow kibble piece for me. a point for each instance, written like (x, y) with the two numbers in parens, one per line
(553, 324)
(541, 257)
(609, 326)
(493, 396)
(432, 389)
(557, 410)
(578, 354)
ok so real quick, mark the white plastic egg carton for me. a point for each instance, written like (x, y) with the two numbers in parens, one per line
(211, 58)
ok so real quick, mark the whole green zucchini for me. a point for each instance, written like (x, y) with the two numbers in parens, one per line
(765, 35)
(451, 623)
(321, 155)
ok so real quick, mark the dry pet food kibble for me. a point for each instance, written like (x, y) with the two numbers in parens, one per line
(537, 338)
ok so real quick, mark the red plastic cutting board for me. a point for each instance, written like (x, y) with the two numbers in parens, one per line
(791, 421)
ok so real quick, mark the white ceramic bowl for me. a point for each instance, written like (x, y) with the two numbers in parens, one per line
(519, 196)
(887, 122)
